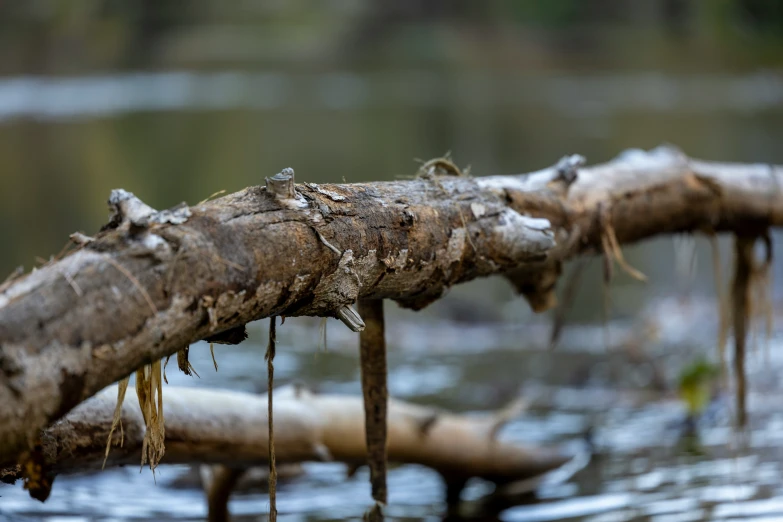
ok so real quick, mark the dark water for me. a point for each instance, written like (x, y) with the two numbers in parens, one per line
(641, 468)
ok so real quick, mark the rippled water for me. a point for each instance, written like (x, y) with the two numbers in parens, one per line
(641, 469)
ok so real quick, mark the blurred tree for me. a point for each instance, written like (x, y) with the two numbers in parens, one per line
(764, 16)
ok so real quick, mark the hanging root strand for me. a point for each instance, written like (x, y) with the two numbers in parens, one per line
(149, 389)
(372, 348)
(611, 246)
(743, 272)
(270, 367)
(761, 281)
(608, 271)
(569, 294)
(723, 305)
(117, 420)
(212, 353)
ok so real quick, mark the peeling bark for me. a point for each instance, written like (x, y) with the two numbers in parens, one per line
(152, 282)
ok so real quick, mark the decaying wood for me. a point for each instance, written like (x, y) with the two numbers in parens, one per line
(372, 351)
(152, 282)
(230, 428)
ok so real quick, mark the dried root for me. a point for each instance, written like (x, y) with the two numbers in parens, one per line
(750, 284)
(322, 334)
(761, 285)
(612, 248)
(270, 357)
(723, 305)
(612, 253)
(117, 421)
(149, 388)
(569, 294)
(372, 350)
(212, 353)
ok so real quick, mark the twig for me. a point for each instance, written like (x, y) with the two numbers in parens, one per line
(135, 282)
(18, 271)
(219, 192)
(328, 244)
(467, 232)
(76, 288)
(233, 265)
(617, 252)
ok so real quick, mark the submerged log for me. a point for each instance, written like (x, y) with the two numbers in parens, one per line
(149, 283)
(230, 428)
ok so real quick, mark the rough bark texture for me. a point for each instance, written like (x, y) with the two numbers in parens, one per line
(151, 282)
(230, 428)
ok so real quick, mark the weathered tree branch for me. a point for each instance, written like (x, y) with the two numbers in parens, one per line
(230, 428)
(152, 282)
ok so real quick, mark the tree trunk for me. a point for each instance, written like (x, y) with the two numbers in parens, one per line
(149, 283)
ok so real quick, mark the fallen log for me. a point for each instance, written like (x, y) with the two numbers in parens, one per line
(230, 428)
(149, 283)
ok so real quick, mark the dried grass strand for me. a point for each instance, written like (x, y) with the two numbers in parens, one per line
(135, 282)
(117, 420)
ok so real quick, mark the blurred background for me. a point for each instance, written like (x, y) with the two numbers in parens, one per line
(175, 100)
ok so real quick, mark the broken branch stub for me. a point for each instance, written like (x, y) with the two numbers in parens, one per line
(351, 318)
(281, 185)
(255, 256)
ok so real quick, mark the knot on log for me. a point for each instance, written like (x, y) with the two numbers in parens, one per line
(281, 185)
(281, 188)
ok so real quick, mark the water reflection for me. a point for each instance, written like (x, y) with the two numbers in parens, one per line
(637, 471)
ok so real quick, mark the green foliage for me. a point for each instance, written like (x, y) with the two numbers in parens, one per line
(695, 384)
